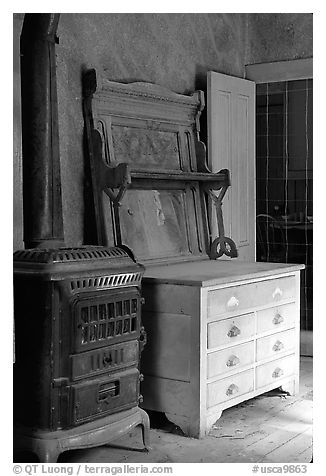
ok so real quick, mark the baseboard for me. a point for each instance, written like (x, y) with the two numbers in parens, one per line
(306, 343)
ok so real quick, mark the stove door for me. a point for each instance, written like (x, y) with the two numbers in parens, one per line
(106, 319)
(99, 397)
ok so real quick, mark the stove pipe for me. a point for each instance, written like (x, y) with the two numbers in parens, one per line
(43, 221)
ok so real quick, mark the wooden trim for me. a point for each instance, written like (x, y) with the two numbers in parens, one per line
(280, 71)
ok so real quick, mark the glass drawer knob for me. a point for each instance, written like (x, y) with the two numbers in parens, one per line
(277, 373)
(277, 294)
(232, 361)
(234, 331)
(233, 302)
(278, 346)
(232, 389)
(278, 319)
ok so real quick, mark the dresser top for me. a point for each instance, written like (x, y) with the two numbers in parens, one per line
(209, 272)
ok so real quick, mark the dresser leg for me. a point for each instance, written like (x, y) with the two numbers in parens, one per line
(211, 419)
(217, 415)
(182, 421)
(291, 387)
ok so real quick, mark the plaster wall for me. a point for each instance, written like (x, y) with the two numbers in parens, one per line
(174, 50)
(279, 37)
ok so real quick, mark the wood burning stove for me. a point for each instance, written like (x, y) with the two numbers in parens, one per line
(78, 337)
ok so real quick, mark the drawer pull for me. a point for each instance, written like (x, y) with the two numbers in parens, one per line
(277, 373)
(232, 389)
(234, 331)
(277, 293)
(232, 361)
(278, 346)
(278, 319)
(232, 303)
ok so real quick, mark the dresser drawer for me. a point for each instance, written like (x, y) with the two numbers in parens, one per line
(276, 318)
(231, 358)
(275, 344)
(231, 387)
(247, 296)
(275, 370)
(229, 331)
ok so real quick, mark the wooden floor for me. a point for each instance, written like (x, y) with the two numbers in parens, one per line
(273, 427)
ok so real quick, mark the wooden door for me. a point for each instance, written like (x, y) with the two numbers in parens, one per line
(231, 145)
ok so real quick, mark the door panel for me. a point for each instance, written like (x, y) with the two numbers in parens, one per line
(231, 145)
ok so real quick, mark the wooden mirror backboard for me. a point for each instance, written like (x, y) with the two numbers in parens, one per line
(148, 169)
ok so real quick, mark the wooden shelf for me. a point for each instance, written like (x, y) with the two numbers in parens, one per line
(210, 177)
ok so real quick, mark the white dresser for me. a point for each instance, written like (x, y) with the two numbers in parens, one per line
(219, 333)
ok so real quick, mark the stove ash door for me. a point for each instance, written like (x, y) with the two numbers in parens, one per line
(99, 397)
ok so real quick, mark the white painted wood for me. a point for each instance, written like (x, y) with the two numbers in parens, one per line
(196, 340)
(287, 382)
(280, 71)
(297, 337)
(244, 297)
(231, 145)
(276, 318)
(167, 395)
(175, 329)
(230, 331)
(203, 365)
(208, 273)
(275, 345)
(230, 359)
(275, 371)
(228, 388)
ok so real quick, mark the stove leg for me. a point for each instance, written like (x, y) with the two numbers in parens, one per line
(145, 430)
(48, 452)
(48, 445)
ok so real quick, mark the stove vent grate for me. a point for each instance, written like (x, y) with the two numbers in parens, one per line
(112, 281)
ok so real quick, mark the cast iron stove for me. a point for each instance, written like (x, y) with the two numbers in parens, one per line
(78, 339)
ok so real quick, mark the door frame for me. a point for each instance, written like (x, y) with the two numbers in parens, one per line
(279, 71)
